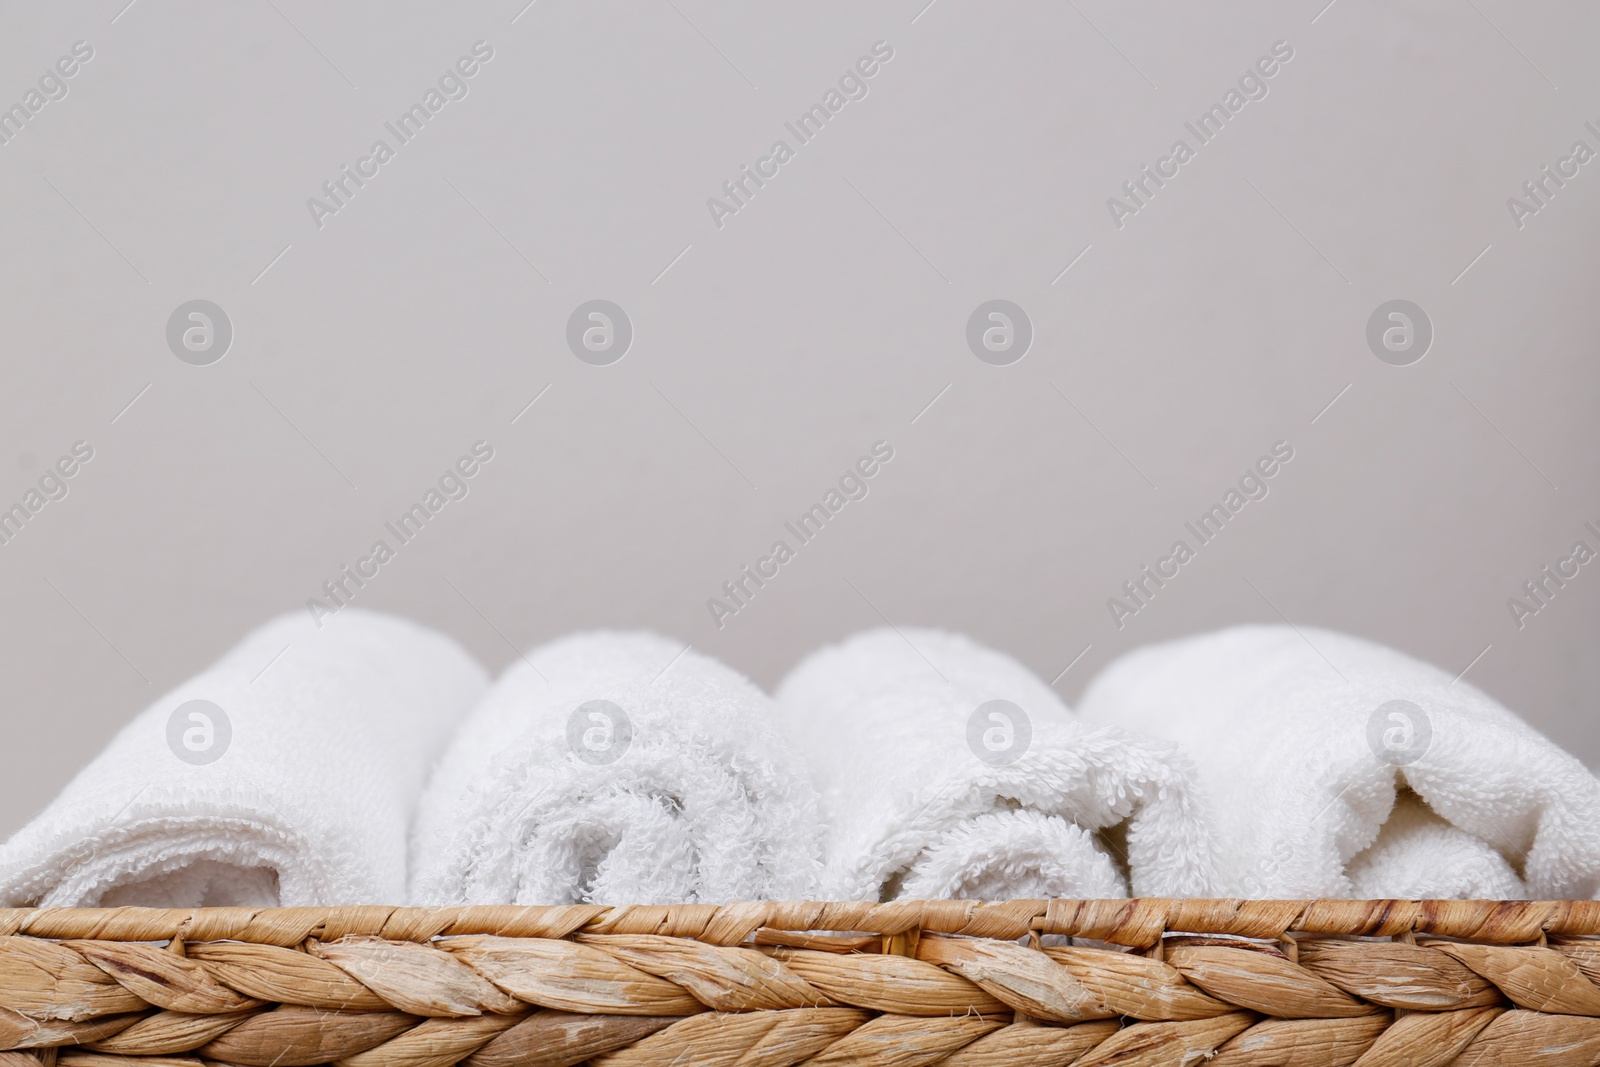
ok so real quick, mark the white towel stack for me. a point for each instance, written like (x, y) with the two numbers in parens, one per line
(618, 768)
(1336, 767)
(931, 789)
(297, 792)
(623, 768)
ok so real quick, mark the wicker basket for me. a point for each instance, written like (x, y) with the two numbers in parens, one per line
(1313, 983)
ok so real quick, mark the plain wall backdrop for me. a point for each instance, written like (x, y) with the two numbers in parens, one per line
(373, 346)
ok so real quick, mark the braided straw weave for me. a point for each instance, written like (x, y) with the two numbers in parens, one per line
(1300, 983)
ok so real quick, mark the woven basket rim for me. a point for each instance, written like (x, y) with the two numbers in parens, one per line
(846, 984)
(1136, 923)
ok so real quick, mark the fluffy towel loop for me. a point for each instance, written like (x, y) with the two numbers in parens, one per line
(932, 790)
(1305, 740)
(1420, 853)
(321, 750)
(618, 768)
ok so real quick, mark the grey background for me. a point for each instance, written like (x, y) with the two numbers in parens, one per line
(823, 317)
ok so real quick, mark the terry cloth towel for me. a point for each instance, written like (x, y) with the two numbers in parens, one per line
(285, 774)
(1335, 767)
(948, 770)
(617, 768)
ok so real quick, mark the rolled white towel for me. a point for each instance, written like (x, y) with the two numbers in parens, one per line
(929, 790)
(617, 768)
(299, 792)
(1303, 739)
